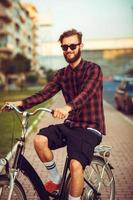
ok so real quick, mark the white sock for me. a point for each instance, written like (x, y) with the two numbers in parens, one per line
(53, 172)
(73, 198)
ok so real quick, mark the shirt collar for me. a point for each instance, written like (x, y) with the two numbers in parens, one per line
(78, 67)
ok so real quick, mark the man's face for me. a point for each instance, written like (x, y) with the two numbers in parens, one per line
(73, 52)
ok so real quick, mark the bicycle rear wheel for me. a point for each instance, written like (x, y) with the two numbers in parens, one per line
(100, 176)
(18, 191)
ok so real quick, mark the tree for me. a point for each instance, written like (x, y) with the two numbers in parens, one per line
(18, 64)
(48, 72)
(21, 64)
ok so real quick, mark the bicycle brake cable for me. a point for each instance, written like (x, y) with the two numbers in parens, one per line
(19, 118)
(13, 131)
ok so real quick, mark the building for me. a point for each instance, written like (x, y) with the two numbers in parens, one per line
(17, 31)
(34, 33)
(115, 55)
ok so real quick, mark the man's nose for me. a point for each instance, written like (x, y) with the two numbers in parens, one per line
(69, 49)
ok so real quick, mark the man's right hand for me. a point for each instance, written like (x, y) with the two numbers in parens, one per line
(62, 112)
(5, 108)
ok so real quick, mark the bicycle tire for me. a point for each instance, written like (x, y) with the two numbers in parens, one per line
(18, 191)
(94, 169)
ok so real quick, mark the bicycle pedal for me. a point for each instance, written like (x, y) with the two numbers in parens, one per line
(97, 196)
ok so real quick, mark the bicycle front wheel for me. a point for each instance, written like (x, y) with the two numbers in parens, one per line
(18, 191)
(100, 176)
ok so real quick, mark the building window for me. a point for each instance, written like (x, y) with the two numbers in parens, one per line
(17, 42)
(17, 28)
(1, 24)
(3, 41)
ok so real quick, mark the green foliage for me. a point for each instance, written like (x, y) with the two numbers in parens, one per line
(9, 124)
(6, 96)
(17, 65)
(32, 78)
(48, 73)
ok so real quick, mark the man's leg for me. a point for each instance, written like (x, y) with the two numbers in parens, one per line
(42, 149)
(46, 156)
(77, 180)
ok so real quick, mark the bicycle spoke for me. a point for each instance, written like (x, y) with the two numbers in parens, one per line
(17, 194)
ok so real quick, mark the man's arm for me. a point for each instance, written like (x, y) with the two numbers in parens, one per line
(46, 93)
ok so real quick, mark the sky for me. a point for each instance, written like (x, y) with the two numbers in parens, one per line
(96, 19)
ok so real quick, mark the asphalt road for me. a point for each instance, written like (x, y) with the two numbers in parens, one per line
(109, 89)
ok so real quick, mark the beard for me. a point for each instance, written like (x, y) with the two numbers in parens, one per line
(75, 58)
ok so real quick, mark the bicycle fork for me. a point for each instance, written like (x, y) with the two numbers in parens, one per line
(12, 175)
(12, 172)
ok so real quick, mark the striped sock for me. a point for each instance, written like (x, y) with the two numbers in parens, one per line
(53, 172)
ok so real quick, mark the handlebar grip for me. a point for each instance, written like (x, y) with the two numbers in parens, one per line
(5, 108)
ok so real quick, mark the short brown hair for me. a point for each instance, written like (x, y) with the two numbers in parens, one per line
(70, 33)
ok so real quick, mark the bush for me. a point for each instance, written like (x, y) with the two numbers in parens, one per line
(32, 79)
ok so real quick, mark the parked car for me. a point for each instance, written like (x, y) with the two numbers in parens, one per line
(124, 96)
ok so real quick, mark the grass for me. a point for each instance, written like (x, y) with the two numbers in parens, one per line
(14, 95)
(10, 126)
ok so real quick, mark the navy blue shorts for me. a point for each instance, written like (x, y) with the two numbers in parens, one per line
(80, 142)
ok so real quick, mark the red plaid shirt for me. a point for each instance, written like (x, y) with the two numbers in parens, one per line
(82, 89)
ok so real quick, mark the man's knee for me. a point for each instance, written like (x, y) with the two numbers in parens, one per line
(75, 166)
(40, 140)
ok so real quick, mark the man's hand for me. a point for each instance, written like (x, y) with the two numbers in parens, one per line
(62, 112)
(5, 108)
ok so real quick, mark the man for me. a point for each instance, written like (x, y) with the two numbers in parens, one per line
(81, 85)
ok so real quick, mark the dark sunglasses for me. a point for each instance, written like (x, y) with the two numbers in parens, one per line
(71, 46)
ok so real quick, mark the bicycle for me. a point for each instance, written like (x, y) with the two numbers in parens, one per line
(99, 181)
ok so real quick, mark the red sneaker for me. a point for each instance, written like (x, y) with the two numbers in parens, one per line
(51, 187)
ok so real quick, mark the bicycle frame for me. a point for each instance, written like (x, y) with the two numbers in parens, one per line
(30, 172)
(22, 164)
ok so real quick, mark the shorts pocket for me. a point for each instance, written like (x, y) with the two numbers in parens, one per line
(88, 144)
(88, 151)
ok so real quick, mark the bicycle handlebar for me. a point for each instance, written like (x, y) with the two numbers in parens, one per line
(41, 109)
(12, 106)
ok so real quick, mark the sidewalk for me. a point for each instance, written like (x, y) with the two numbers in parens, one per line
(119, 136)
